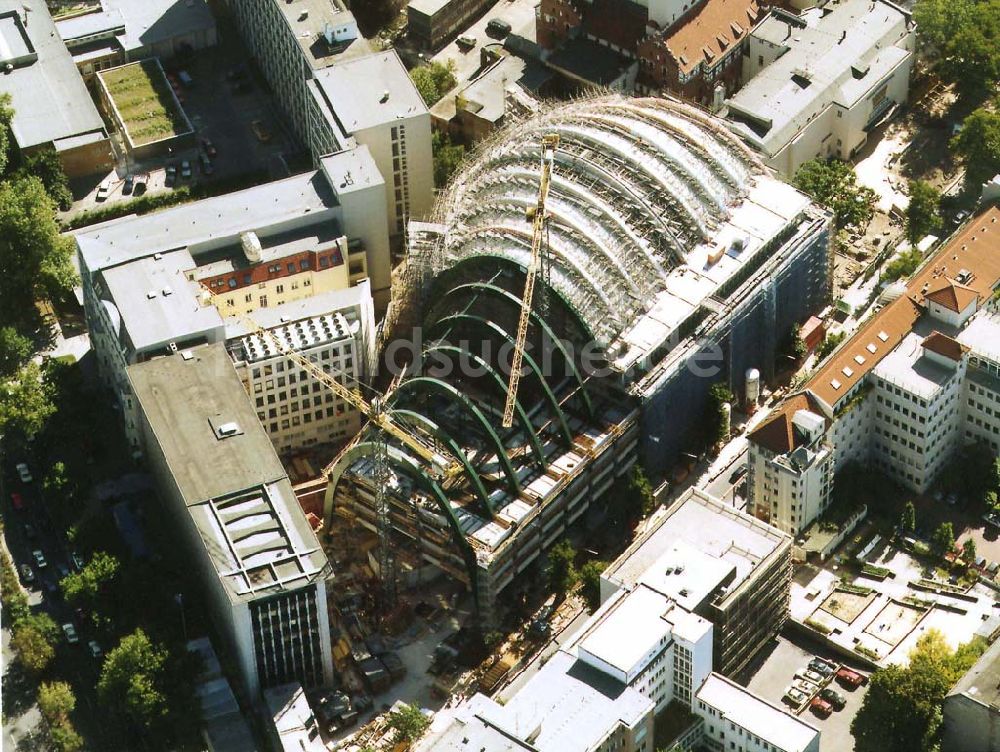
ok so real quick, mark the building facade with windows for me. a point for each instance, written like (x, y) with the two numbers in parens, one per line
(261, 566)
(337, 94)
(918, 380)
(817, 84)
(159, 283)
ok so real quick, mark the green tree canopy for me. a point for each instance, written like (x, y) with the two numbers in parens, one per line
(56, 701)
(902, 266)
(834, 184)
(923, 214)
(45, 165)
(969, 552)
(434, 80)
(719, 395)
(943, 539)
(15, 350)
(6, 116)
(978, 145)
(408, 722)
(902, 710)
(447, 158)
(590, 582)
(133, 680)
(562, 569)
(908, 519)
(86, 587)
(33, 640)
(962, 39)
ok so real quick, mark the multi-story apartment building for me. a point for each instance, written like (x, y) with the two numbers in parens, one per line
(279, 251)
(337, 95)
(816, 84)
(915, 382)
(262, 569)
(647, 648)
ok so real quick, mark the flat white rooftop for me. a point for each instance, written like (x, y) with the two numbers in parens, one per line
(907, 368)
(755, 715)
(982, 336)
(632, 627)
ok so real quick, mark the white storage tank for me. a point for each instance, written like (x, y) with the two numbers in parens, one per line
(753, 386)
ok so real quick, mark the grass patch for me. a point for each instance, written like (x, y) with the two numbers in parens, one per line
(145, 102)
(818, 626)
(867, 652)
(876, 573)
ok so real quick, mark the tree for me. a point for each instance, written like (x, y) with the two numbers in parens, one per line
(978, 145)
(132, 680)
(902, 266)
(795, 346)
(834, 184)
(631, 497)
(45, 165)
(408, 722)
(15, 350)
(562, 570)
(969, 551)
(943, 539)
(56, 701)
(25, 402)
(590, 582)
(902, 710)
(447, 158)
(829, 344)
(34, 640)
(962, 40)
(923, 215)
(719, 395)
(908, 520)
(434, 80)
(34, 257)
(86, 586)
(6, 116)
(65, 739)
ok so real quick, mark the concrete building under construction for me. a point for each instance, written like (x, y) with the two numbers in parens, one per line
(674, 260)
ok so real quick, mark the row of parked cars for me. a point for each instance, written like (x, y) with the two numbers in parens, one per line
(812, 685)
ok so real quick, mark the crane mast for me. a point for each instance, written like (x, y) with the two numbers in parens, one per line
(538, 225)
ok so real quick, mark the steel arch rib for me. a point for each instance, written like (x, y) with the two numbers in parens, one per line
(447, 390)
(501, 383)
(402, 460)
(489, 325)
(501, 294)
(436, 431)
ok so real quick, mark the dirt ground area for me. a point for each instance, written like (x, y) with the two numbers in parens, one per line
(894, 622)
(846, 606)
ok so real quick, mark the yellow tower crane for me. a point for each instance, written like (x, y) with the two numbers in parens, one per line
(536, 215)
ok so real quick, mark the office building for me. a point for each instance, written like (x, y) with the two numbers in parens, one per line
(52, 107)
(914, 383)
(434, 23)
(714, 259)
(336, 94)
(972, 707)
(262, 570)
(297, 252)
(817, 84)
(646, 651)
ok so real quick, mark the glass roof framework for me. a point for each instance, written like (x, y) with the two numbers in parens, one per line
(637, 185)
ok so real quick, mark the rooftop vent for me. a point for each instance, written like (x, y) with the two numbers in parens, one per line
(225, 430)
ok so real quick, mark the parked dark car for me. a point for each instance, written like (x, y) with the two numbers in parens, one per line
(498, 28)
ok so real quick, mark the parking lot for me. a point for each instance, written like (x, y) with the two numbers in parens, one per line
(775, 674)
(222, 105)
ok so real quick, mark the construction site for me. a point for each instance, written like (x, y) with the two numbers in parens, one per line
(585, 279)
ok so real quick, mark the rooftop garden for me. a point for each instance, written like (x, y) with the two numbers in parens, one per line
(145, 102)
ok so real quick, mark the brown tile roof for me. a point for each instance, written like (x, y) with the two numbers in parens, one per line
(944, 345)
(975, 249)
(710, 31)
(951, 294)
(777, 433)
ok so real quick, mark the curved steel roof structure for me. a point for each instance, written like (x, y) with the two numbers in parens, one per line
(656, 214)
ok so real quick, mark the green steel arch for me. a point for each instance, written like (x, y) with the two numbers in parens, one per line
(501, 385)
(435, 430)
(487, 288)
(429, 383)
(492, 326)
(402, 460)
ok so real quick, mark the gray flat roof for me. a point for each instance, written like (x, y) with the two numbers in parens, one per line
(705, 524)
(156, 301)
(836, 58)
(307, 20)
(49, 98)
(364, 92)
(227, 473)
(208, 221)
(146, 22)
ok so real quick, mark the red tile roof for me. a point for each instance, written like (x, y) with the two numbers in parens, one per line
(951, 294)
(777, 433)
(944, 345)
(710, 31)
